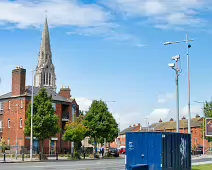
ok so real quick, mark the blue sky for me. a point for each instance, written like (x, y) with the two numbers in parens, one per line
(113, 50)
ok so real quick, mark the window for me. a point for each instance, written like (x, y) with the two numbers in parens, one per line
(20, 122)
(8, 123)
(1, 126)
(49, 78)
(54, 106)
(9, 104)
(21, 104)
(1, 106)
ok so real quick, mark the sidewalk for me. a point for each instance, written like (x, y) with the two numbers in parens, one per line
(201, 157)
(50, 159)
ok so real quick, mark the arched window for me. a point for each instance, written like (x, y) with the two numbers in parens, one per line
(44, 78)
(50, 79)
(47, 78)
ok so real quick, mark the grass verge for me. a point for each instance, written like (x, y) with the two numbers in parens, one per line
(202, 167)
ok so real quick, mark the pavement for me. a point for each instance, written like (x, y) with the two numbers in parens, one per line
(203, 159)
(103, 164)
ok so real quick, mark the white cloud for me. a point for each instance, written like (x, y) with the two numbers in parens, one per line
(166, 12)
(157, 114)
(24, 13)
(166, 98)
(195, 109)
(84, 103)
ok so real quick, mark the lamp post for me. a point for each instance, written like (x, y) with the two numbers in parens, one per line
(188, 70)
(32, 100)
(147, 127)
(175, 67)
(203, 132)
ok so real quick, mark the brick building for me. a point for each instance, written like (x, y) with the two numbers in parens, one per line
(121, 139)
(196, 130)
(13, 105)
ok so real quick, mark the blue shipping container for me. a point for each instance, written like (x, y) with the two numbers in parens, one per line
(158, 150)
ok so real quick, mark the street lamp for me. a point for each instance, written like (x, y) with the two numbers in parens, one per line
(32, 100)
(175, 67)
(203, 142)
(147, 127)
(188, 70)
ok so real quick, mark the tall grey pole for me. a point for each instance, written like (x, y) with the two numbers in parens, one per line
(177, 98)
(31, 134)
(189, 96)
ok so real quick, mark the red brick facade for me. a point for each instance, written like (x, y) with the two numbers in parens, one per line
(18, 81)
(14, 115)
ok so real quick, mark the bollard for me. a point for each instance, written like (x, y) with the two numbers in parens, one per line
(4, 157)
(40, 156)
(56, 156)
(22, 156)
(84, 154)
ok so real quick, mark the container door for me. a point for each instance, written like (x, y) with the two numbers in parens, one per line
(176, 151)
(154, 151)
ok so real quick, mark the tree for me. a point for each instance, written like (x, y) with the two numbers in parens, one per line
(3, 145)
(208, 114)
(75, 132)
(101, 123)
(45, 122)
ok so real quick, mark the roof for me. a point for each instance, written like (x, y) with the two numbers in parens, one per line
(28, 92)
(129, 129)
(195, 122)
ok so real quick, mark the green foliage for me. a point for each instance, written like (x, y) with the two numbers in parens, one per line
(100, 122)
(75, 132)
(45, 121)
(208, 114)
(3, 145)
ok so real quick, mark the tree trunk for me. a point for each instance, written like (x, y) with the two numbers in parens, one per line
(95, 147)
(42, 146)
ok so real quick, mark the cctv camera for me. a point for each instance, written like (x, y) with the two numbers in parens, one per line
(177, 57)
(171, 65)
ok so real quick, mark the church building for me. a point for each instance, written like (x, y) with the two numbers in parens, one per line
(13, 105)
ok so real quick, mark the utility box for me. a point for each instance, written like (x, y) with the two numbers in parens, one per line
(158, 151)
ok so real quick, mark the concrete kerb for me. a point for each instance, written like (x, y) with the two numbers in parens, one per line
(62, 160)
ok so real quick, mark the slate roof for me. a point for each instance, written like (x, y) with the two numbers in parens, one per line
(195, 122)
(129, 129)
(28, 92)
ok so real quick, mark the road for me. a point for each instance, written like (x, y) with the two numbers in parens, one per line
(108, 164)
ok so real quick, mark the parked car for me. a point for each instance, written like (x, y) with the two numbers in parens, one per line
(122, 151)
(114, 152)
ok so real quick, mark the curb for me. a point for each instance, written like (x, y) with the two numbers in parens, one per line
(201, 163)
(37, 161)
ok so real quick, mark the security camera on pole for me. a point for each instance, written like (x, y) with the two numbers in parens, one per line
(175, 66)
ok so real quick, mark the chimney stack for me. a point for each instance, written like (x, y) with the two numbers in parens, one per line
(65, 92)
(18, 81)
(183, 118)
(197, 116)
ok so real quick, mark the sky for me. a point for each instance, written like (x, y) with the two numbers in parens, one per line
(113, 50)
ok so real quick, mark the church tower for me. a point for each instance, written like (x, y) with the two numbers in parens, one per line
(45, 71)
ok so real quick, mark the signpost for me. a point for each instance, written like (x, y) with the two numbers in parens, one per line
(208, 127)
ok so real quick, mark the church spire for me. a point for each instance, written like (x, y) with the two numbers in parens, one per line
(45, 74)
(45, 48)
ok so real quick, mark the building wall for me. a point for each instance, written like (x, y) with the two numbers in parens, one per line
(15, 114)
